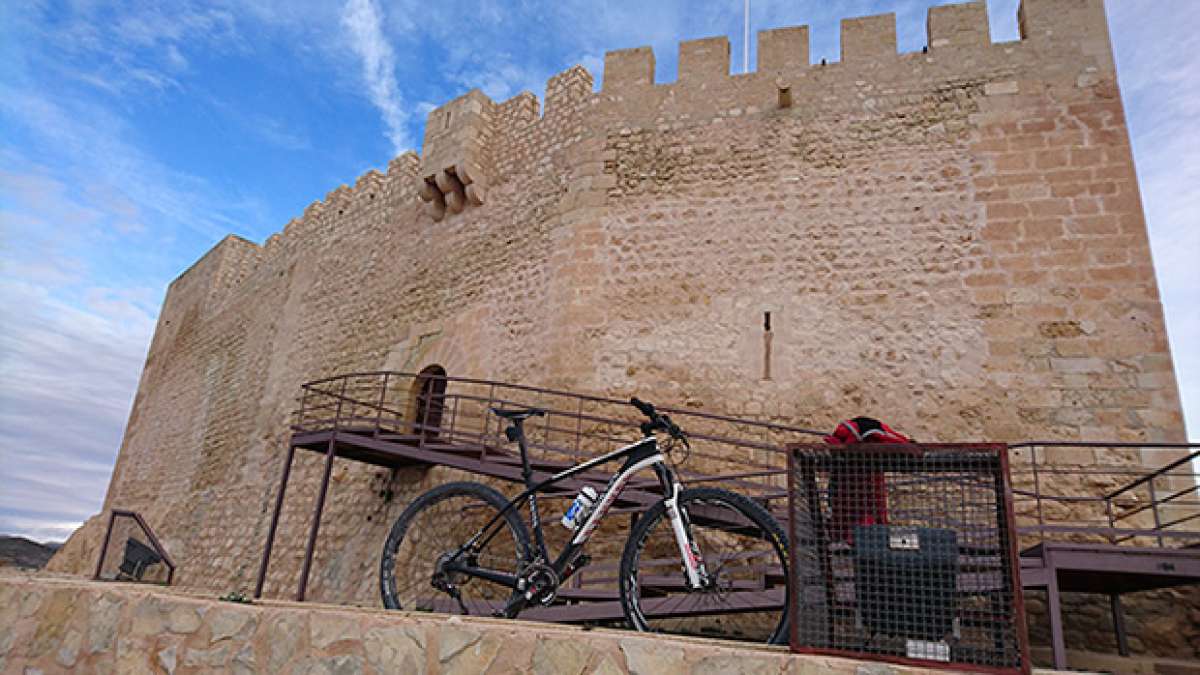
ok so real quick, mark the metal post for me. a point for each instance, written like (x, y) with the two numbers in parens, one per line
(382, 400)
(337, 418)
(578, 430)
(487, 411)
(1037, 492)
(266, 556)
(428, 404)
(1154, 508)
(316, 521)
(1057, 645)
(1006, 515)
(1118, 616)
(303, 406)
(104, 546)
(158, 547)
(1112, 523)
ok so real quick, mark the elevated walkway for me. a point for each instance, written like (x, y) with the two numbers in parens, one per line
(1089, 515)
(396, 420)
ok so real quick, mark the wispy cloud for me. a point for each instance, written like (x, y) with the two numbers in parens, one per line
(69, 372)
(364, 25)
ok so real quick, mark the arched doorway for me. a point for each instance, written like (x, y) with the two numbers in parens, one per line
(430, 401)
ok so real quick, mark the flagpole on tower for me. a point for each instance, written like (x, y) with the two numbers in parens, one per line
(746, 39)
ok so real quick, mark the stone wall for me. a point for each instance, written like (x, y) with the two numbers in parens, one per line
(55, 626)
(952, 240)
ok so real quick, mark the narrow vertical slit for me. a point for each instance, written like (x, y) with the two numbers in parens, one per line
(767, 336)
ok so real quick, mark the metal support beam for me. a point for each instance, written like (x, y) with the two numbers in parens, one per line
(1118, 615)
(1057, 645)
(266, 556)
(316, 521)
(104, 546)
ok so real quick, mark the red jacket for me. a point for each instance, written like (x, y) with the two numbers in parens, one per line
(858, 492)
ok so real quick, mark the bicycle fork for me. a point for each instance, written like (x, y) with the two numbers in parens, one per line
(689, 550)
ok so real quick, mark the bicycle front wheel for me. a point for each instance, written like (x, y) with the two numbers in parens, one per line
(744, 552)
(434, 527)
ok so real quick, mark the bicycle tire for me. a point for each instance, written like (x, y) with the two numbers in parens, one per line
(459, 510)
(655, 599)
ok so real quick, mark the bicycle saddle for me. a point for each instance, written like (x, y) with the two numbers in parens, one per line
(517, 415)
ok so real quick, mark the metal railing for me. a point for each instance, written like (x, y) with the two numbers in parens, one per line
(139, 555)
(1106, 493)
(1143, 494)
(394, 419)
(443, 413)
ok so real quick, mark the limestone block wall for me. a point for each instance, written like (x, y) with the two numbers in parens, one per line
(952, 240)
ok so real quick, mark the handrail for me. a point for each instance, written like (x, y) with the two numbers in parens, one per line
(145, 527)
(380, 400)
(571, 394)
(1160, 471)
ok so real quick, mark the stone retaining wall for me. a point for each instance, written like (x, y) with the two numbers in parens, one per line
(54, 624)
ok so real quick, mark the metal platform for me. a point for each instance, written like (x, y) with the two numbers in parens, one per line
(395, 420)
(1142, 519)
(1103, 524)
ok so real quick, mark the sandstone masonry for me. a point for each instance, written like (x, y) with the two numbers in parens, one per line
(951, 239)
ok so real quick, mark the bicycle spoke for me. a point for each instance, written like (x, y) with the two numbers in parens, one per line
(438, 529)
(746, 597)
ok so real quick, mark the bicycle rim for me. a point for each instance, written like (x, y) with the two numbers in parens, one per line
(437, 525)
(744, 553)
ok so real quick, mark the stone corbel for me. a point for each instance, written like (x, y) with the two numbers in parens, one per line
(451, 190)
(435, 202)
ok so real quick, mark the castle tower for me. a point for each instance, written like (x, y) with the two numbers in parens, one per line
(952, 239)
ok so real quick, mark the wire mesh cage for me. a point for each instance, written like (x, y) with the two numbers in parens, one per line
(905, 553)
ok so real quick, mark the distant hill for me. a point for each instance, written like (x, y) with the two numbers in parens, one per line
(21, 552)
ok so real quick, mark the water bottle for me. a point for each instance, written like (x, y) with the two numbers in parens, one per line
(580, 508)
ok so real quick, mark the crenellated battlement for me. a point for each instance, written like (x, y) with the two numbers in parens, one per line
(720, 241)
(866, 40)
(467, 139)
(869, 38)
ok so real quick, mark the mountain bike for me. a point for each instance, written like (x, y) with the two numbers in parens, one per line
(698, 561)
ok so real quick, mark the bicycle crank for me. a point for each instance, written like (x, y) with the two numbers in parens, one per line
(539, 582)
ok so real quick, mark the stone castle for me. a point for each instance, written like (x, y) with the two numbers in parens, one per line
(952, 240)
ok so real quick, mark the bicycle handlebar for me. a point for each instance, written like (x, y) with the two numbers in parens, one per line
(645, 408)
(657, 421)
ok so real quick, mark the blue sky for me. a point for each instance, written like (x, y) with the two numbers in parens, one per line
(135, 134)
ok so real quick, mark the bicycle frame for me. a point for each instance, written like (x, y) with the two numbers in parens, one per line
(638, 456)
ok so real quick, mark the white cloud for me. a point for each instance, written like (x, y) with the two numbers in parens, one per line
(68, 376)
(364, 24)
(95, 142)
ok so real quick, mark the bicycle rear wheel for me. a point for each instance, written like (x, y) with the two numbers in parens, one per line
(436, 525)
(745, 554)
